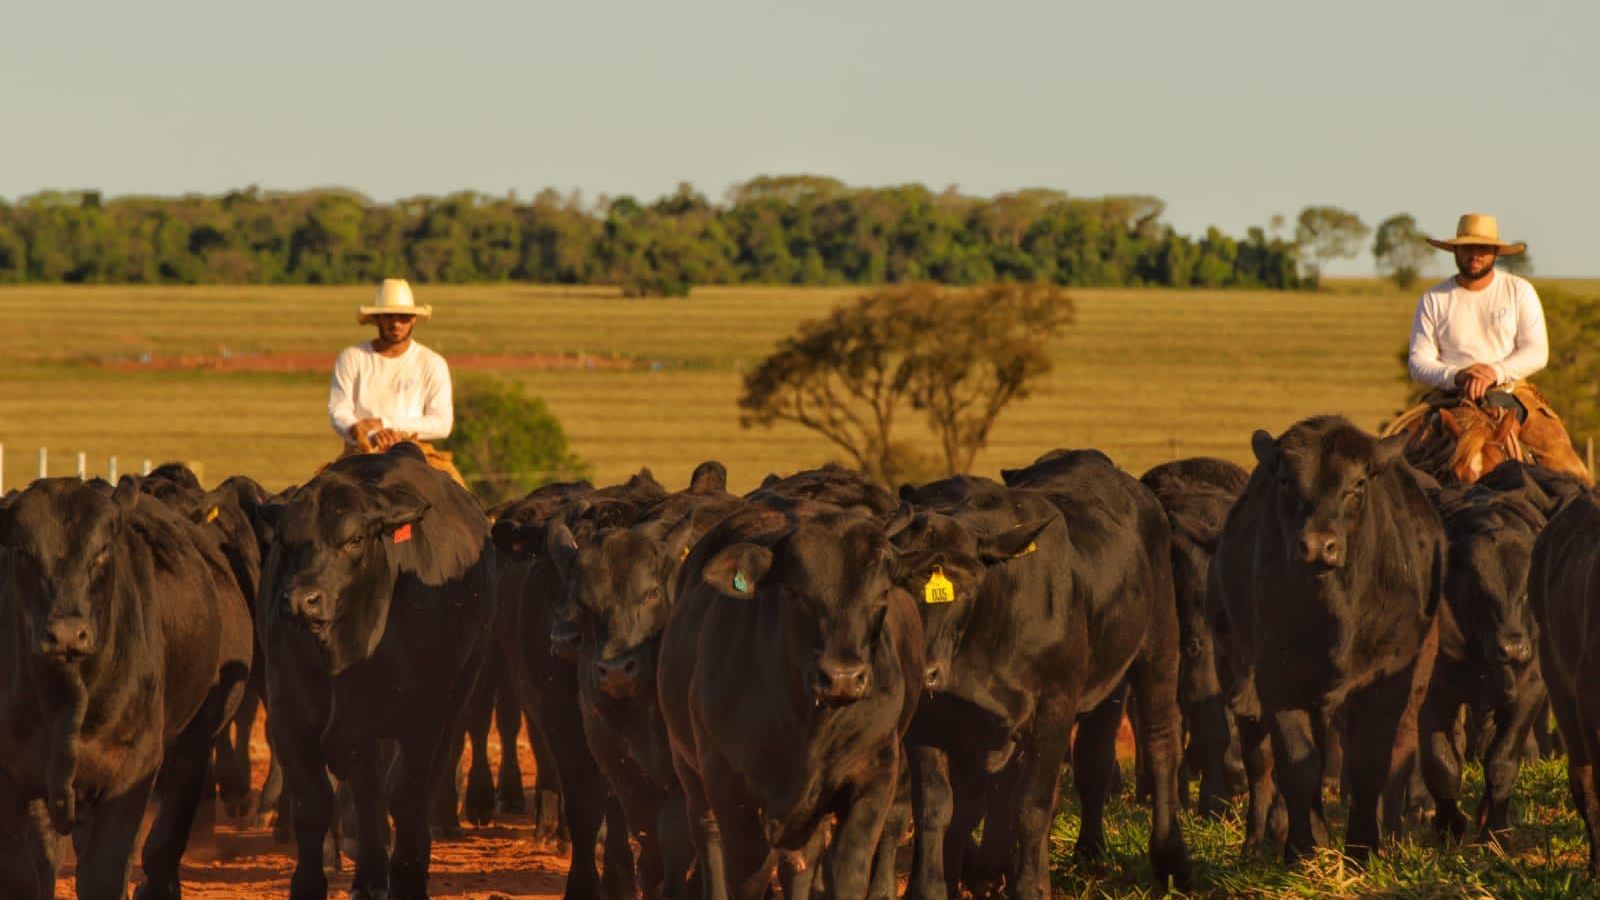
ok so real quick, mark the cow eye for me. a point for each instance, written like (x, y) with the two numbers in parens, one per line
(354, 543)
(652, 594)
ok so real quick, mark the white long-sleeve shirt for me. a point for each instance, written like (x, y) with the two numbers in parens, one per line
(1501, 325)
(409, 392)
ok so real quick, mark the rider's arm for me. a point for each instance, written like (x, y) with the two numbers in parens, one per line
(1532, 351)
(1423, 360)
(437, 417)
(341, 397)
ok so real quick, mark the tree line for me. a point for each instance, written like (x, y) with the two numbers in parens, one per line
(802, 230)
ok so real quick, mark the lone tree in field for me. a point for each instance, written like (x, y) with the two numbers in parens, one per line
(956, 357)
(1327, 232)
(1399, 249)
(507, 443)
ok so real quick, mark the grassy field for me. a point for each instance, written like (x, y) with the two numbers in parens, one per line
(1145, 375)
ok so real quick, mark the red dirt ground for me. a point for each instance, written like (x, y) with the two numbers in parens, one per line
(323, 362)
(500, 862)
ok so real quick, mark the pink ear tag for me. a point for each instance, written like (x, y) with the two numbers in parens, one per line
(403, 533)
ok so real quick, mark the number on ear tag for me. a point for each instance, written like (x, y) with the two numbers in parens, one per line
(938, 589)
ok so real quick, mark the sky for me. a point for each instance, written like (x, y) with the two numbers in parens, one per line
(1231, 112)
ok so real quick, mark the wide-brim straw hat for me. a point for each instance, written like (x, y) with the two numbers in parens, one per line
(1478, 230)
(394, 299)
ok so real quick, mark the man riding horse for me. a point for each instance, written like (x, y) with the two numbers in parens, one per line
(1476, 337)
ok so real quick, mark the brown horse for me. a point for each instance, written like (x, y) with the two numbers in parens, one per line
(1457, 440)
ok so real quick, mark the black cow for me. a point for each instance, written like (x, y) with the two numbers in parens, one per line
(377, 601)
(1564, 591)
(623, 587)
(1197, 494)
(561, 515)
(1331, 568)
(790, 668)
(226, 509)
(831, 484)
(1486, 638)
(1045, 641)
(125, 645)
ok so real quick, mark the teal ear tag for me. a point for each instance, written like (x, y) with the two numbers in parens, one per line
(739, 584)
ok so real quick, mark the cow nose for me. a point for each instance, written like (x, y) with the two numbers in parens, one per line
(68, 637)
(1321, 548)
(840, 683)
(308, 603)
(618, 677)
(1516, 649)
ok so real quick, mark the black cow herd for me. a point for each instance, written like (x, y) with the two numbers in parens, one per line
(784, 687)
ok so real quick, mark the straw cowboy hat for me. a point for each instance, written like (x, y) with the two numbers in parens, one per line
(1479, 230)
(394, 299)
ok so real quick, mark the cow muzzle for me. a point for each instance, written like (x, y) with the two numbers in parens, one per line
(564, 639)
(1322, 550)
(620, 677)
(840, 682)
(311, 607)
(65, 638)
(933, 678)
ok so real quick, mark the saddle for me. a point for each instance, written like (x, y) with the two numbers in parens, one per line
(1456, 439)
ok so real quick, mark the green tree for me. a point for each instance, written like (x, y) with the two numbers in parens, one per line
(1399, 249)
(507, 443)
(957, 357)
(1517, 263)
(1324, 233)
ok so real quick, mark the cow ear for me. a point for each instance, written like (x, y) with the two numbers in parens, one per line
(1007, 474)
(735, 571)
(1388, 450)
(900, 519)
(709, 477)
(561, 547)
(515, 539)
(1013, 542)
(404, 507)
(127, 493)
(677, 543)
(1265, 448)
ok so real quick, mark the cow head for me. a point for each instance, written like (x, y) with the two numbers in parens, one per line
(1320, 471)
(1487, 585)
(334, 560)
(829, 580)
(943, 564)
(61, 541)
(620, 593)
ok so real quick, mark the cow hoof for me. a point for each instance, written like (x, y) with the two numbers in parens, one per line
(369, 893)
(478, 806)
(151, 891)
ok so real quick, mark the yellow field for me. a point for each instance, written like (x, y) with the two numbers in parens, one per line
(1144, 374)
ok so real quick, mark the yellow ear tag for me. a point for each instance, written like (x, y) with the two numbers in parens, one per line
(1030, 548)
(938, 589)
(211, 515)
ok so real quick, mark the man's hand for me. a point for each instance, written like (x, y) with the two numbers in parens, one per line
(385, 438)
(1476, 380)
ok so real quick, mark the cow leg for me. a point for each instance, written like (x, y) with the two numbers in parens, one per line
(424, 760)
(747, 857)
(1441, 759)
(1381, 749)
(444, 797)
(883, 885)
(1580, 761)
(29, 859)
(104, 844)
(1094, 758)
(711, 869)
(311, 801)
(1041, 772)
(1502, 762)
(1298, 762)
(677, 846)
(1256, 752)
(984, 866)
(478, 804)
(932, 806)
(1210, 740)
(233, 775)
(510, 795)
(1154, 687)
(855, 841)
(797, 869)
(546, 782)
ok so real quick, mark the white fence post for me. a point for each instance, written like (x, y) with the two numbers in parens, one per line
(44, 462)
(111, 469)
(83, 464)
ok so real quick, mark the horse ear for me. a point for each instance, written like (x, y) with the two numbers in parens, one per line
(1508, 426)
(1449, 423)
